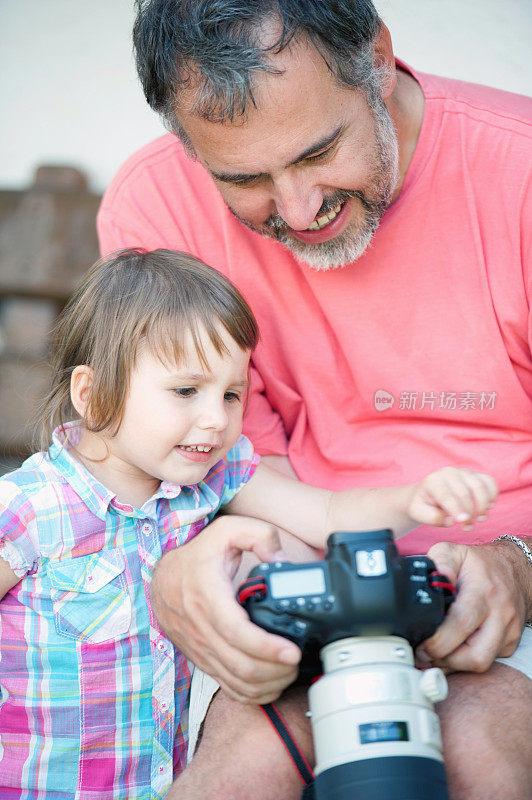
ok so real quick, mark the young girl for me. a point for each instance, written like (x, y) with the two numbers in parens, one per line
(149, 389)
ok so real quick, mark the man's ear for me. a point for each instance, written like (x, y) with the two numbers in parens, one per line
(80, 387)
(385, 61)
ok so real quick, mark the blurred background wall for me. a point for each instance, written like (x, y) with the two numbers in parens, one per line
(69, 97)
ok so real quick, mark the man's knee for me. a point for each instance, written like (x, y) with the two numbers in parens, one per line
(240, 756)
(486, 727)
(487, 735)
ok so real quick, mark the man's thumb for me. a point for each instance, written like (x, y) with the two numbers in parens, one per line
(448, 558)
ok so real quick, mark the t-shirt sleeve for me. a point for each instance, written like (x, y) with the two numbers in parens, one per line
(17, 518)
(115, 233)
(136, 211)
(241, 463)
(262, 424)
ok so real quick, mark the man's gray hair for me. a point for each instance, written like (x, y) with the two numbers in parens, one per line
(217, 46)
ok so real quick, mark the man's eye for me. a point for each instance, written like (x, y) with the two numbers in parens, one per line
(232, 397)
(245, 183)
(185, 391)
(319, 156)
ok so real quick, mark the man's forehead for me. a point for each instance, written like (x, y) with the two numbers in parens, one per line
(291, 113)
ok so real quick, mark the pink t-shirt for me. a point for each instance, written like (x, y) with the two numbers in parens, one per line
(415, 356)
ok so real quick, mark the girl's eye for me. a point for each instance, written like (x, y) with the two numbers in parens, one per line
(232, 397)
(185, 391)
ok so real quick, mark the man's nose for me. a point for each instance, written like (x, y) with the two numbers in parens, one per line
(297, 201)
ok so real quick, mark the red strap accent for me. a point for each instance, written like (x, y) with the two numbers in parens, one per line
(303, 768)
(252, 587)
(439, 581)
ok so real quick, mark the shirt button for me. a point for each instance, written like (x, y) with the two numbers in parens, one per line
(146, 528)
(161, 646)
(164, 706)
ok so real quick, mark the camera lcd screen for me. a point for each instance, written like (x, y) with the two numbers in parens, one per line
(297, 582)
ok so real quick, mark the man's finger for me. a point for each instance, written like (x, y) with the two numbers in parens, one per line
(232, 625)
(255, 536)
(478, 651)
(242, 689)
(241, 659)
(465, 616)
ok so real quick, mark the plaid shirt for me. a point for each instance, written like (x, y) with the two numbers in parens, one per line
(93, 695)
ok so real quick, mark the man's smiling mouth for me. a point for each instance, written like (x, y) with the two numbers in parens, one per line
(325, 219)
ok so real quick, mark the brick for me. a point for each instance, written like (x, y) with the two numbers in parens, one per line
(59, 178)
(25, 326)
(48, 234)
(23, 384)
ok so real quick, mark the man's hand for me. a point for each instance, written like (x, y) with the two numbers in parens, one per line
(494, 597)
(194, 602)
(451, 495)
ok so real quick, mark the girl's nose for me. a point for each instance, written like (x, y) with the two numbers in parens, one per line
(213, 417)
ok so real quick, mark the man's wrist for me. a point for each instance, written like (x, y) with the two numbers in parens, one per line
(518, 543)
(525, 546)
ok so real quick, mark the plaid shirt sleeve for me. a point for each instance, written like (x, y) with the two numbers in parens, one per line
(241, 463)
(17, 519)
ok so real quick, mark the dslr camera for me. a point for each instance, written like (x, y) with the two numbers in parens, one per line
(357, 616)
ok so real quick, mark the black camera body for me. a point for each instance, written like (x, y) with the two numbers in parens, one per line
(362, 588)
(359, 613)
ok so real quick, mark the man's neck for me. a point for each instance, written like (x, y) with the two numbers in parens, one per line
(406, 106)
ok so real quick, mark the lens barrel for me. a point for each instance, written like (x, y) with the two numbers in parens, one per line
(376, 734)
(388, 778)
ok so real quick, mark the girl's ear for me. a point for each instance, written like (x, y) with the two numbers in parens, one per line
(80, 386)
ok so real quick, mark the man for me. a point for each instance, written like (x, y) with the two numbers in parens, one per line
(378, 221)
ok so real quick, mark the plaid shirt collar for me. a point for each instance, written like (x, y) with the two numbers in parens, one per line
(94, 494)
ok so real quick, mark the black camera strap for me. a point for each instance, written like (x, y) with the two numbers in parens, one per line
(283, 731)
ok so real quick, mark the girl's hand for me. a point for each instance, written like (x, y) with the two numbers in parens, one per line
(451, 495)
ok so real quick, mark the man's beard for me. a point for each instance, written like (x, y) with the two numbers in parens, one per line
(354, 240)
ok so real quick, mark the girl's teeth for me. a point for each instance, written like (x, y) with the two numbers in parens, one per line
(197, 448)
(324, 220)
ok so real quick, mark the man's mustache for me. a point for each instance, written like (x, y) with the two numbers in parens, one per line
(275, 224)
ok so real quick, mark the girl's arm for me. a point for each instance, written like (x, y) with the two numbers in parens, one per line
(443, 498)
(8, 579)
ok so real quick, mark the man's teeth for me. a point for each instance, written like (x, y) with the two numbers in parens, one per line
(196, 448)
(324, 220)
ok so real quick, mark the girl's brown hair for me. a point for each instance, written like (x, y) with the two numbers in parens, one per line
(131, 297)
